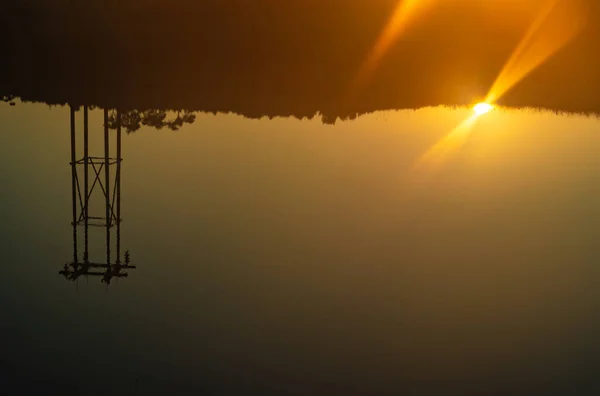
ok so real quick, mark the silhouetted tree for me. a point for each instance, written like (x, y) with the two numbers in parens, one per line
(133, 120)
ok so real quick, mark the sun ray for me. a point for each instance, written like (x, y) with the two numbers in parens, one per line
(453, 141)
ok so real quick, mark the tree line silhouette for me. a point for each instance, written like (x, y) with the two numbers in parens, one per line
(133, 120)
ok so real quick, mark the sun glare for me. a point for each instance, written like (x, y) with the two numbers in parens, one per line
(482, 108)
(557, 23)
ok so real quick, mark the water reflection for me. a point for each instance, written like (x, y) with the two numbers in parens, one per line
(109, 190)
(210, 56)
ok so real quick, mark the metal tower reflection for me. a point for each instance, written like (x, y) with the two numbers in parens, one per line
(105, 186)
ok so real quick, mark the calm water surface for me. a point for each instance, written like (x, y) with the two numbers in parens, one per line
(285, 256)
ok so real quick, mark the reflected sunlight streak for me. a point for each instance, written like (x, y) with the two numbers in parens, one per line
(403, 15)
(555, 26)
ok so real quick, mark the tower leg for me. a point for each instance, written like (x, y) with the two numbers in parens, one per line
(107, 184)
(86, 162)
(118, 187)
(74, 183)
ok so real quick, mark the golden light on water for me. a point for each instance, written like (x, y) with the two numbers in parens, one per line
(556, 23)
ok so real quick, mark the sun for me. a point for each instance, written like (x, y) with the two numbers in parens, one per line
(482, 108)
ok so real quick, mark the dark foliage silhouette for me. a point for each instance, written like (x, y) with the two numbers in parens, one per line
(133, 120)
